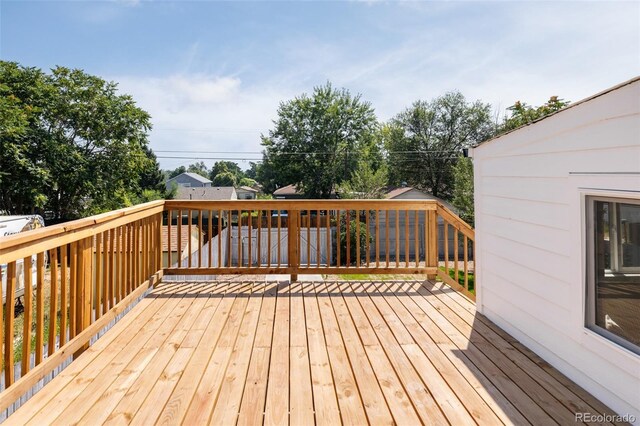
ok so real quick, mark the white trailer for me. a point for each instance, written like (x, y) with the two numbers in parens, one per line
(10, 225)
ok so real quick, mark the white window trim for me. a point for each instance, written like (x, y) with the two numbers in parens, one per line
(590, 280)
(582, 186)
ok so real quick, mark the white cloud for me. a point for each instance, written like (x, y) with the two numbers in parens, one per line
(204, 113)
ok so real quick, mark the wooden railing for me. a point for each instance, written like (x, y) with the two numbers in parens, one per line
(97, 267)
(318, 237)
(87, 272)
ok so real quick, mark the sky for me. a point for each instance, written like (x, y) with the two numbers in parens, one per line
(213, 73)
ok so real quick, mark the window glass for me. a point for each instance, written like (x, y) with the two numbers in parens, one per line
(615, 291)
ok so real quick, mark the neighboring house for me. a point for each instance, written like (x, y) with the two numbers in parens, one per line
(409, 193)
(188, 180)
(290, 192)
(247, 193)
(183, 249)
(557, 208)
(207, 193)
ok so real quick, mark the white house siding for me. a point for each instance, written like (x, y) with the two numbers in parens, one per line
(530, 189)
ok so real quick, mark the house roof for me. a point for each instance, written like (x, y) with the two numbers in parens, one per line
(184, 236)
(248, 188)
(286, 190)
(574, 104)
(205, 193)
(395, 192)
(193, 176)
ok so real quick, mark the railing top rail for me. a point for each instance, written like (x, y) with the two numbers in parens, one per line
(24, 244)
(455, 221)
(303, 204)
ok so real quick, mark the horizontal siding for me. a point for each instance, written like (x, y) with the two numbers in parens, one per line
(561, 164)
(530, 280)
(550, 239)
(544, 262)
(530, 267)
(538, 189)
(530, 211)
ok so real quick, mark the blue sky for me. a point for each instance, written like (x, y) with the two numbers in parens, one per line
(212, 73)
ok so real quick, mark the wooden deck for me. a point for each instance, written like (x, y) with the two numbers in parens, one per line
(251, 352)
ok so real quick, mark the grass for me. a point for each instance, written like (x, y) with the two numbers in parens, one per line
(470, 279)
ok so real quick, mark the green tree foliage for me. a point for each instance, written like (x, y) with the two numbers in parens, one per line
(353, 238)
(424, 141)
(198, 168)
(245, 181)
(318, 140)
(226, 166)
(463, 189)
(225, 179)
(365, 183)
(175, 172)
(71, 144)
(522, 114)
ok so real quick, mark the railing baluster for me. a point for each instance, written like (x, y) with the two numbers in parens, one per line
(169, 248)
(27, 314)
(377, 225)
(98, 274)
(308, 238)
(366, 244)
(278, 243)
(259, 242)
(318, 238)
(416, 245)
(219, 239)
(53, 303)
(73, 278)
(189, 235)
(338, 244)
(397, 238)
(229, 237)
(239, 238)
(249, 236)
(179, 233)
(328, 254)
(348, 236)
(357, 214)
(406, 238)
(39, 308)
(269, 239)
(445, 228)
(105, 273)
(386, 230)
(63, 294)
(210, 238)
(466, 266)
(455, 254)
(200, 238)
(9, 312)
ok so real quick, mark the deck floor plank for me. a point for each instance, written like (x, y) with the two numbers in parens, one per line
(248, 351)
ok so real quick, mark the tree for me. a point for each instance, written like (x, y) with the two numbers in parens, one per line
(245, 181)
(365, 183)
(151, 177)
(424, 141)
(522, 114)
(463, 189)
(199, 168)
(80, 150)
(226, 166)
(318, 140)
(224, 179)
(176, 172)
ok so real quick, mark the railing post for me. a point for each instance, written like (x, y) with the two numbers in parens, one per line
(84, 284)
(432, 252)
(292, 242)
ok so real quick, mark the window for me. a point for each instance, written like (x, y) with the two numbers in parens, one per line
(613, 298)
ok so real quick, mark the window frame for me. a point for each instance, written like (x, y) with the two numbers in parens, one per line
(590, 296)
